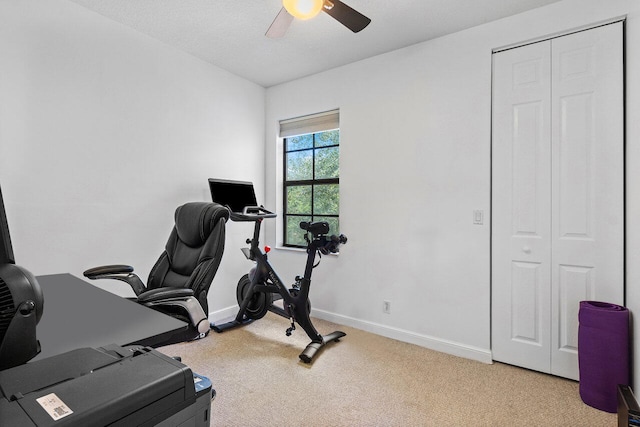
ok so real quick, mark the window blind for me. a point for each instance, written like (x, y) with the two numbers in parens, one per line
(310, 124)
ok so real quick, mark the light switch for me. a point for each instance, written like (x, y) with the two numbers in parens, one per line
(478, 217)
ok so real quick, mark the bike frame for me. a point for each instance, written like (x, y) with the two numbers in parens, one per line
(266, 280)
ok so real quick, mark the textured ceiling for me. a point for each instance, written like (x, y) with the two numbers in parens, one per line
(230, 33)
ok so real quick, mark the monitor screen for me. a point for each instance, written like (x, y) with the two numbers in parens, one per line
(6, 250)
(234, 194)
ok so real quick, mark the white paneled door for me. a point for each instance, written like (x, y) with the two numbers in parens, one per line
(557, 193)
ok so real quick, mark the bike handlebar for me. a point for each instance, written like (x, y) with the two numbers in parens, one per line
(333, 244)
(251, 213)
(319, 230)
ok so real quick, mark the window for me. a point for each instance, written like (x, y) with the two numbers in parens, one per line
(311, 176)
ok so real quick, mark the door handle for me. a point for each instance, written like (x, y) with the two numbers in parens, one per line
(526, 249)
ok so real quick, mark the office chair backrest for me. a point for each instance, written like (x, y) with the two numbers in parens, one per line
(193, 252)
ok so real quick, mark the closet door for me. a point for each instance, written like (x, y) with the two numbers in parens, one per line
(587, 120)
(557, 194)
(521, 206)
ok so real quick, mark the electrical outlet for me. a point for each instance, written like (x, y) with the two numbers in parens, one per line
(386, 307)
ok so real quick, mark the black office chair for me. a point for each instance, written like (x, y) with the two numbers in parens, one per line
(180, 279)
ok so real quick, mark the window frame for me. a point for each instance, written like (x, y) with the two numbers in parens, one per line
(286, 184)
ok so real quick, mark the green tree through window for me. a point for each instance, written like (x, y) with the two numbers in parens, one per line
(311, 183)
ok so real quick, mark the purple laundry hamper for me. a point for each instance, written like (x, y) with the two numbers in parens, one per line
(603, 353)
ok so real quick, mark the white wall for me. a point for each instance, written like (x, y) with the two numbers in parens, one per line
(415, 163)
(104, 132)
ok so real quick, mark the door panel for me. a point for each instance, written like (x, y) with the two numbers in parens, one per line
(576, 284)
(587, 182)
(525, 303)
(575, 167)
(520, 205)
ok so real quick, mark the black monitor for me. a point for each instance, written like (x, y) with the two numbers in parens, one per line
(236, 195)
(6, 250)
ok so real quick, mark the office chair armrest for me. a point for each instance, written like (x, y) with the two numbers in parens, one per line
(107, 269)
(158, 294)
(123, 273)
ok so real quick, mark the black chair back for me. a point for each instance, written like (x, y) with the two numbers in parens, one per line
(194, 250)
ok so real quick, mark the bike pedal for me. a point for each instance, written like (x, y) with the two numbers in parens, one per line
(290, 330)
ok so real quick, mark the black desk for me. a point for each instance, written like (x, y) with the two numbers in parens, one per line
(78, 314)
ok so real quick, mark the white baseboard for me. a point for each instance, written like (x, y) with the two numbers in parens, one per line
(432, 343)
(224, 314)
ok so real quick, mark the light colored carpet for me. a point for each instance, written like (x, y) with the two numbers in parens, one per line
(369, 380)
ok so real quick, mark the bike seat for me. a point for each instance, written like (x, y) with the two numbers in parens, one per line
(316, 228)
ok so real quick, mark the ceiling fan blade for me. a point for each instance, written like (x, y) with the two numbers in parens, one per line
(279, 25)
(350, 18)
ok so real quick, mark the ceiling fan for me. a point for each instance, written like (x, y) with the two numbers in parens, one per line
(307, 9)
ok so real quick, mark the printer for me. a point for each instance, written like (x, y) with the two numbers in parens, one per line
(106, 386)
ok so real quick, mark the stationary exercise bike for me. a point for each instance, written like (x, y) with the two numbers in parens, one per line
(258, 289)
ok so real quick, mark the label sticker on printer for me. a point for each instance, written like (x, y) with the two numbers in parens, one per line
(55, 407)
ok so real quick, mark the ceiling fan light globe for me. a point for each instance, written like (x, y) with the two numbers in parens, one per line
(303, 9)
